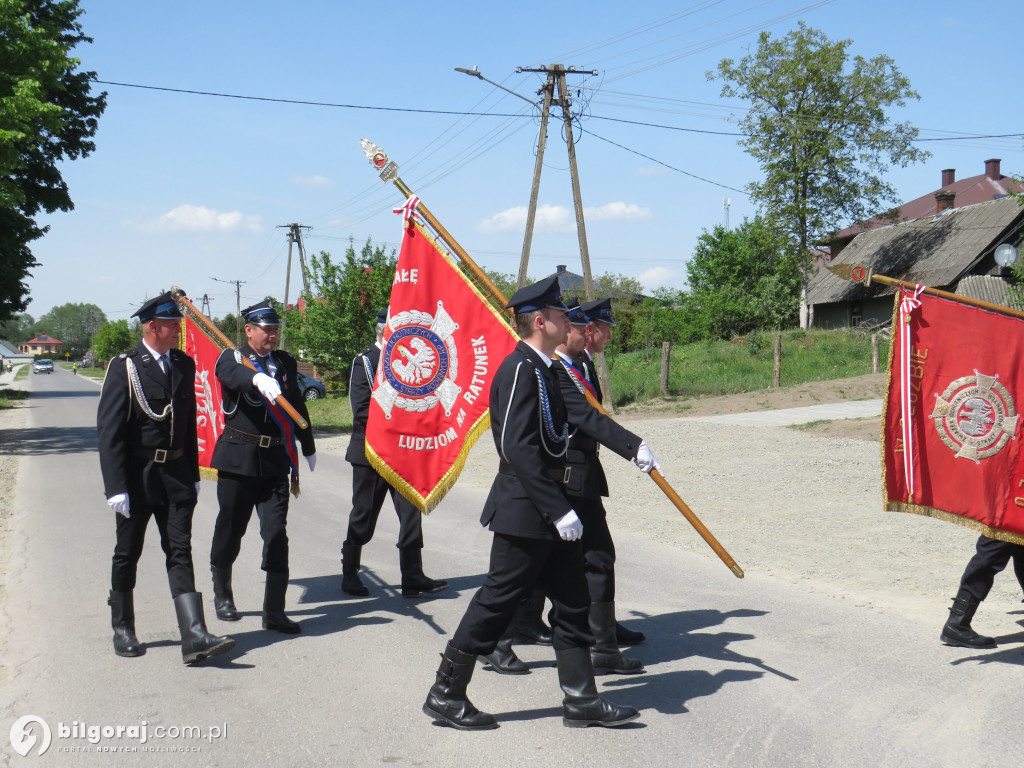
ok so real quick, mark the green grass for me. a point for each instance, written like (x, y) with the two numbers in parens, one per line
(810, 424)
(726, 367)
(330, 414)
(9, 397)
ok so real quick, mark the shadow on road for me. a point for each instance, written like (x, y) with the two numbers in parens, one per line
(58, 393)
(40, 441)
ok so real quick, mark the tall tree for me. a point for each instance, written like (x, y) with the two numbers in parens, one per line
(113, 339)
(73, 324)
(47, 115)
(338, 320)
(743, 279)
(820, 128)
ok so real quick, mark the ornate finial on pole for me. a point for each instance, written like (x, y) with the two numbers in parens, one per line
(853, 272)
(378, 159)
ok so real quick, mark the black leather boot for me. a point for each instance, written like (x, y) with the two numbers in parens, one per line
(582, 706)
(122, 619)
(504, 661)
(196, 643)
(626, 636)
(273, 604)
(414, 582)
(606, 656)
(958, 630)
(351, 584)
(223, 597)
(447, 701)
(530, 628)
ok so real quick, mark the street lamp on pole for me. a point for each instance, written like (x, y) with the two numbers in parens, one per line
(531, 212)
(474, 72)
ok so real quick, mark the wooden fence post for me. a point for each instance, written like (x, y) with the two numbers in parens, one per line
(777, 368)
(874, 353)
(666, 354)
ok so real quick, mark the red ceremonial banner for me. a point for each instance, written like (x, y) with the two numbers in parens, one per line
(952, 434)
(209, 406)
(441, 347)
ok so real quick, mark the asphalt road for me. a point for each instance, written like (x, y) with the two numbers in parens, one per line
(751, 672)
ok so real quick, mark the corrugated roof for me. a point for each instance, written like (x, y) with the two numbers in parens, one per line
(934, 251)
(989, 288)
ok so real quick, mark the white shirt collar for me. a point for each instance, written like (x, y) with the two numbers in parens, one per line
(156, 355)
(545, 358)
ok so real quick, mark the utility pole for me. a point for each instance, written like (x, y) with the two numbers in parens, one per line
(725, 205)
(206, 304)
(238, 303)
(294, 238)
(548, 91)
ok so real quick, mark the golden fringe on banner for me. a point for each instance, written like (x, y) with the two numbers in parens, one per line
(919, 509)
(426, 504)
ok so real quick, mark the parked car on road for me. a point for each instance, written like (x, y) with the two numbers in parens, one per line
(43, 365)
(311, 387)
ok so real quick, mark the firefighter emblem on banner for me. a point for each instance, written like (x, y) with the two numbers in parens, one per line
(419, 363)
(975, 417)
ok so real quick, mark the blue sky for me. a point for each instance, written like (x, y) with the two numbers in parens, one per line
(185, 188)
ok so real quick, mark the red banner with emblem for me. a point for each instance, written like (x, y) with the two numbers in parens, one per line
(205, 350)
(441, 347)
(951, 430)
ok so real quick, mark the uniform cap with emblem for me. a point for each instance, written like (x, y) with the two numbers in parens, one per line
(382, 315)
(577, 316)
(261, 314)
(544, 293)
(163, 307)
(599, 310)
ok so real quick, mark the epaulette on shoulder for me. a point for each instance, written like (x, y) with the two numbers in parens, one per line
(132, 353)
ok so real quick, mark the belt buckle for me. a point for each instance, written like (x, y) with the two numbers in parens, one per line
(265, 441)
(160, 455)
(565, 475)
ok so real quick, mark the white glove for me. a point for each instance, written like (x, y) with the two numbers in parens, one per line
(311, 460)
(267, 386)
(569, 526)
(197, 487)
(119, 503)
(645, 459)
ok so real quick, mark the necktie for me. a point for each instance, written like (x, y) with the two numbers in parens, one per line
(165, 366)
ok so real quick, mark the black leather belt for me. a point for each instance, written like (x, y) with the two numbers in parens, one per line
(161, 455)
(263, 441)
(558, 474)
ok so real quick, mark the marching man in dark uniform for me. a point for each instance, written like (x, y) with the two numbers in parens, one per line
(254, 457)
(991, 557)
(536, 531)
(598, 335)
(587, 484)
(369, 490)
(149, 456)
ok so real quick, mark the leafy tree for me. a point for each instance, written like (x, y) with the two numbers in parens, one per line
(112, 339)
(47, 116)
(17, 328)
(339, 320)
(73, 324)
(819, 127)
(743, 279)
(230, 326)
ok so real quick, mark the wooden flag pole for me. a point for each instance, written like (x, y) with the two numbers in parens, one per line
(865, 275)
(200, 319)
(389, 172)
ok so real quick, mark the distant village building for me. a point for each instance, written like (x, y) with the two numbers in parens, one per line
(941, 240)
(41, 345)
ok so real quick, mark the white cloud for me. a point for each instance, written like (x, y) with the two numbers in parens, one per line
(617, 212)
(653, 170)
(558, 218)
(312, 181)
(656, 277)
(198, 218)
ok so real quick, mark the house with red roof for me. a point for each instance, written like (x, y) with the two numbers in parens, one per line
(41, 345)
(937, 240)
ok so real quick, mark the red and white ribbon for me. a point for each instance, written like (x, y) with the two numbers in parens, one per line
(908, 304)
(408, 210)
